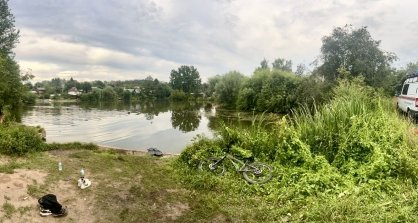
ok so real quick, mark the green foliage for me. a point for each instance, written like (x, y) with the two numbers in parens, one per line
(9, 35)
(271, 91)
(11, 88)
(264, 65)
(73, 145)
(358, 52)
(227, 88)
(126, 95)
(282, 64)
(9, 167)
(212, 81)
(18, 140)
(108, 94)
(186, 79)
(28, 98)
(8, 209)
(312, 91)
(94, 96)
(178, 95)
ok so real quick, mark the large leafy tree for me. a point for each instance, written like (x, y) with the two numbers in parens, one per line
(227, 88)
(11, 87)
(186, 79)
(9, 35)
(269, 90)
(357, 52)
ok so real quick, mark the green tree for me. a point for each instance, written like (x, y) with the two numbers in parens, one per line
(85, 86)
(282, 64)
(99, 84)
(357, 52)
(411, 67)
(278, 92)
(212, 81)
(269, 90)
(108, 94)
(186, 79)
(228, 87)
(69, 84)
(264, 65)
(9, 35)
(300, 69)
(57, 85)
(11, 87)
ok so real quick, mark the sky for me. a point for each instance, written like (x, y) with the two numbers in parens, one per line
(133, 39)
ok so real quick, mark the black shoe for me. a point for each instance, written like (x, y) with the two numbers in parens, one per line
(62, 213)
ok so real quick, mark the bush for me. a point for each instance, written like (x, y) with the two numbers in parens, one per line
(16, 139)
(178, 95)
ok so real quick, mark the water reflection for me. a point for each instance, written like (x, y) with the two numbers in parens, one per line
(186, 116)
(165, 125)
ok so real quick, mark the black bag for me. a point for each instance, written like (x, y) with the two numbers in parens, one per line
(50, 202)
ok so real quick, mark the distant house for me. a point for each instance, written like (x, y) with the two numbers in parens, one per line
(74, 92)
(40, 90)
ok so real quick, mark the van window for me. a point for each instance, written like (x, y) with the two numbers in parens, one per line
(405, 89)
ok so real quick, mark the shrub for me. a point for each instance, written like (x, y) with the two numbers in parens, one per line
(178, 95)
(16, 139)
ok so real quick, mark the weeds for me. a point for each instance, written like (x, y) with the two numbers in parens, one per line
(8, 209)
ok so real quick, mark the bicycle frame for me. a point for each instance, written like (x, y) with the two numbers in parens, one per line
(238, 164)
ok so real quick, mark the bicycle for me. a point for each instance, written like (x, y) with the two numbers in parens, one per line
(253, 172)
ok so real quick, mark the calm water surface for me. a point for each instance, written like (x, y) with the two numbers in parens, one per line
(167, 126)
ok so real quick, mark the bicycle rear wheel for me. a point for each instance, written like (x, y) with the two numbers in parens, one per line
(257, 173)
(212, 165)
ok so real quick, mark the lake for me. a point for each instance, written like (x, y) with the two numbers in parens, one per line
(167, 126)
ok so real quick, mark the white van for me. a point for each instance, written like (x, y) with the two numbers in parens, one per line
(408, 97)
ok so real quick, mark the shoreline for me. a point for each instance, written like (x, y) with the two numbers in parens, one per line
(132, 152)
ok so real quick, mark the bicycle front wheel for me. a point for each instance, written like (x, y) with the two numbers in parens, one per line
(257, 173)
(212, 165)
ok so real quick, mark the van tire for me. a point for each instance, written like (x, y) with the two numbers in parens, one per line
(411, 116)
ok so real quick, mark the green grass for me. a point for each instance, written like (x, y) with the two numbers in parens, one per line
(10, 166)
(8, 209)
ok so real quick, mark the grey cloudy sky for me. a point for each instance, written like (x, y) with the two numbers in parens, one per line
(132, 39)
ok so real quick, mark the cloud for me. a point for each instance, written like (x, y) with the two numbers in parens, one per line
(129, 39)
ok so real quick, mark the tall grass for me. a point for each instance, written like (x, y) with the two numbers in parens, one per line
(358, 132)
(324, 127)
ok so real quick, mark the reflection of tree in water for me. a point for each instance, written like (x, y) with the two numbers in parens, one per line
(151, 109)
(186, 116)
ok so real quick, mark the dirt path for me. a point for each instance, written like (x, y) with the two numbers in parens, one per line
(14, 188)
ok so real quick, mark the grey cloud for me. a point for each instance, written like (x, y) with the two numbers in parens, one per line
(216, 36)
